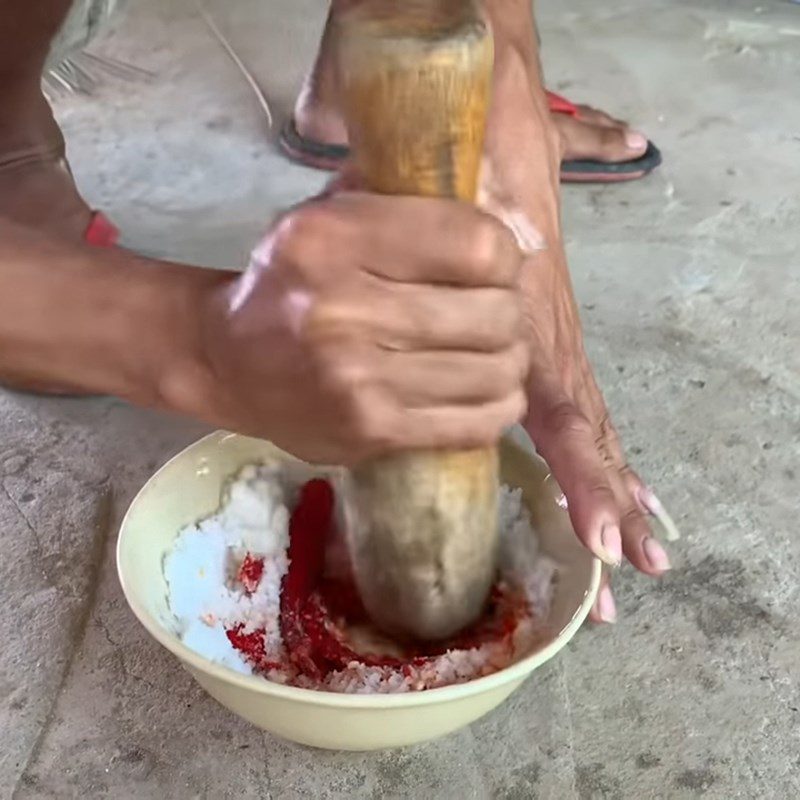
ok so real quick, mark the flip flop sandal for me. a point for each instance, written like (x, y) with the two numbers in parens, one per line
(310, 152)
(591, 171)
(320, 155)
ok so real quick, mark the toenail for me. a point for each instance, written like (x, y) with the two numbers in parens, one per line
(635, 140)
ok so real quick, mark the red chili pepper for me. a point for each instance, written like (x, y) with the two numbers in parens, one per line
(309, 528)
(342, 599)
(309, 602)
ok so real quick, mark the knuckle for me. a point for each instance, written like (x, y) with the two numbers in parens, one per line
(306, 236)
(522, 360)
(488, 250)
(519, 405)
(369, 422)
(631, 514)
(626, 472)
(633, 523)
(343, 373)
(335, 325)
(509, 372)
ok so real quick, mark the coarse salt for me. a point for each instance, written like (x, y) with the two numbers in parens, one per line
(214, 588)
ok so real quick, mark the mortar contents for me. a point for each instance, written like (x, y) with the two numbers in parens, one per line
(252, 588)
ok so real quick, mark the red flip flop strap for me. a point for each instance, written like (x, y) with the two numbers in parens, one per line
(101, 232)
(560, 105)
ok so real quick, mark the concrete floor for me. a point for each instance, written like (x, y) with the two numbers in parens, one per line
(689, 287)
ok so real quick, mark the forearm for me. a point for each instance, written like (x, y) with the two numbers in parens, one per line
(525, 152)
(100, 321)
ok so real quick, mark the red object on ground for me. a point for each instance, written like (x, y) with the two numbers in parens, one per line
(101, 232)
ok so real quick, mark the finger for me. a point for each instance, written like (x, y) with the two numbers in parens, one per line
(648, 500)
(566, 440)
(642, 494)
(454, 427)
(417, 317)
(604, 609)
(412, 317)
(434, 378)
(427, 240)
(638, 544)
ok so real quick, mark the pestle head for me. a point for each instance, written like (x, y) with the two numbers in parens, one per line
(423, 538)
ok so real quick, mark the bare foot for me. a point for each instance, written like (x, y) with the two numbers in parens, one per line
(593, 135)
(590, 135)
(36, 188)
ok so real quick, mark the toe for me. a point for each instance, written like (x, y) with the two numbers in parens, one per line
(583, 141)
(595, 116)
(615, 145)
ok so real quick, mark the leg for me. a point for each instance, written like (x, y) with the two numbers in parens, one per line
(36, 188)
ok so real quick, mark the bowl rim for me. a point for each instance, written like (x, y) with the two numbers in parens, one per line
(519, 670)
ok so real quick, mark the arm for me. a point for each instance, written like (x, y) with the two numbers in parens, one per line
(567, 419)
(317, 346)
(97, 320)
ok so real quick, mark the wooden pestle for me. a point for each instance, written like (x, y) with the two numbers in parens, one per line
(415, 78)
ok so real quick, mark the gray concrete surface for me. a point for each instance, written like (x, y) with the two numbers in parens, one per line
(689, 287)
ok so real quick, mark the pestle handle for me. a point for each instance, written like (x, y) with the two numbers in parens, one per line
(415, 79)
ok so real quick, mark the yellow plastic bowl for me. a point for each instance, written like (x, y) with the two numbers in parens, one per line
(188, 488)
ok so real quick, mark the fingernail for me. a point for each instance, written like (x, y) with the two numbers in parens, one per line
(648, 502)
(655, 554)
(635, 140)
(652, 505)
(611, 545)
(606, 607)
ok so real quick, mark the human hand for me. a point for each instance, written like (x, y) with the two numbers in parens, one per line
(366, 324)
(609, 504)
